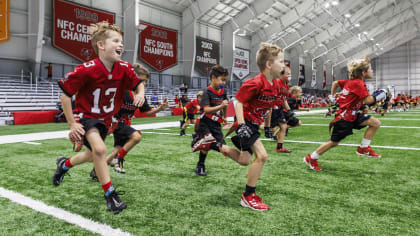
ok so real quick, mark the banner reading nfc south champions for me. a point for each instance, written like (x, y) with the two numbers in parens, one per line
(158, 46)
(240, 63)
(70, 28)
(207, 55)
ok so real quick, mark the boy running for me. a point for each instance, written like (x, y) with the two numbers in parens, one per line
(99, 86)
(354, 94)
(189, 111)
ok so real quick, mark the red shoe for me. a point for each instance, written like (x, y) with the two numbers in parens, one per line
(77, 143)
(367, 151)
(284, 150)
(204, 143)
(254, 202)
(312, 163)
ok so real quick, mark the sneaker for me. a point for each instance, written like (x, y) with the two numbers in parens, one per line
(312, 163)
(93, 175)
(77, 143)
(200, 171)
(367, 152)
(119, 166)
(182, 133)
(204, 143)
(284, 150)
(114, 162)
(58, 176)
(254, 202)
(114, 203)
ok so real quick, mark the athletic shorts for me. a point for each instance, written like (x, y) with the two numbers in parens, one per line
(245, 144)
(344, 128)
(207, 125)
(90, 123)
(293, 121)
(122, 134)
(277, 116)
(190, 116)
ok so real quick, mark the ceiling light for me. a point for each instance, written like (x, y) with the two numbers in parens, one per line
(371, 39)
(347, 15)
(334, 3)
(327, 5)
(266, 25)
(382, 48)
(252, 20)
(357, 25)
(377, 44)
(365, 32)
(243, 33)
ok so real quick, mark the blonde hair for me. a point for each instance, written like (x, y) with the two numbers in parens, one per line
(98, 32)
(141, 70)
(295, 90)
(267, 52)
(199, 94)
(357, 67)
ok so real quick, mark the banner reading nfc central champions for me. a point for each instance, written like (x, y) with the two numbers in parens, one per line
(240, 63)
(207, 55)
(158, 46)
(71, 23)
(4, 20)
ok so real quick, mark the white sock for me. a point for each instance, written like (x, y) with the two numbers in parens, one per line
(365, 143)
(314, 155)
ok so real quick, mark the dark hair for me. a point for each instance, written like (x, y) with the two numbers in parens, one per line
(218, 70)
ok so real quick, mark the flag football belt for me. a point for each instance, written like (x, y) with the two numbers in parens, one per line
(215, 118)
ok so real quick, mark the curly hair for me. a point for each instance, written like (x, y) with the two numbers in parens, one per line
(267, 52)
(357, 67)
(98, 32)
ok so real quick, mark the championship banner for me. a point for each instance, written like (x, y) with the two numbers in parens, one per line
(240, 63)
(70, 28)
(313, 82)
(207, 55)
(4, 20)
(324, 82)
(301, 75)
(158, 46)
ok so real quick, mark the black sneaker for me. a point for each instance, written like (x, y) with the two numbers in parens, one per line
(114, 203)
(200, 171)
(182, 133)
(59, 173)
(119, 166)
(181, 123)
(93, 175)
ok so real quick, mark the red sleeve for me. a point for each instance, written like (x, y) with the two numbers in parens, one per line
(341, 83)
(73, 81)
(360, 89)
(248, 91)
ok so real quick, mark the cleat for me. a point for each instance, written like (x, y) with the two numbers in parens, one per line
(114, 162)
(367, 152)
(312, 163)
(77, 143)
(204, 143)
(93, 175)
(200, 171)
(254, 202)
(119, 166)
(58, 176)
(114, 203)
(284, 150)
(182, 133)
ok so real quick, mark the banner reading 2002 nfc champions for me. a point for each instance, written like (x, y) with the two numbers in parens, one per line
(158, 46)
(207, 55)
(71, 23)
(240, 63)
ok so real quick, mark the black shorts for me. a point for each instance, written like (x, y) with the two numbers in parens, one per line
(344, 128)
(122, 134)
(186, 115)
(90, 123)
(245, 144)
(277, 116)
(293, 121)
(209, 126)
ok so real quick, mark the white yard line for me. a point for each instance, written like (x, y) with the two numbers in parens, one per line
(322, 118)
(32, 143)
(61, 214)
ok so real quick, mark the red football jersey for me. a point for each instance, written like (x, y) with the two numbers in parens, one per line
(99, 94)
(192, 106)
(282, 94)
(258, 97)
(351, 98)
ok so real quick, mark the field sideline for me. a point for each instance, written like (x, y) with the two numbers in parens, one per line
(352, 195)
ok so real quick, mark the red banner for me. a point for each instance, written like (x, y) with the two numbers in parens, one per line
(4, 20)
(158, 46)
(71, 23)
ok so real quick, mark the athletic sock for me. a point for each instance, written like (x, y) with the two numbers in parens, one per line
(279, 145)
(122, 153)
(67, 165)
(108, 188)
(314, 155)
(201, 159)
(249, 190)
(365, 143)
